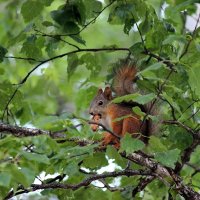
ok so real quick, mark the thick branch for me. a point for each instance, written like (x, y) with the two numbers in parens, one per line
(31, 132)
(185, 191)
(85, 182)
(22, 131)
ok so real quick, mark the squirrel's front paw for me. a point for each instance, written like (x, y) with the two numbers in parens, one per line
(95, 119)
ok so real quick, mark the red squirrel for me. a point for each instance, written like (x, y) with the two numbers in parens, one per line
(106, 112)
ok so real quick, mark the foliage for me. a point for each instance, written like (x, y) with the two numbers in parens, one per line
(55, 55)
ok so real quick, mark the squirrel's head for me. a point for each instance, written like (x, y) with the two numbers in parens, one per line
(100, 101)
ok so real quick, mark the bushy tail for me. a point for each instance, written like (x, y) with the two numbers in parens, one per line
(123, 83)
(153, 126)
(124, 79)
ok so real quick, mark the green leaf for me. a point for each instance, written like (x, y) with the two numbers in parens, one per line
(171, 101)
(194, 80)
(2, 71)
(153, 67)
(174, 38)
(72, 64)
(155, 36)
(121, 118)
(130, 144)
(78, 39)
(156, 145)
(112, 153)
(137, 50)
(5, 179)
(47, 23)
(136, 97)
(127, 13)
(29, 174)
(18, 175)
(97, 160)
(179, 139)
(143, 99)
(36, 157)
(31, 9)
(6, 89)
(47, 2)
(71, 169)
(31, 47)
(128, 25)
(3, 52)
(92, 8)
(137, 110)
(168, 158)
(70, 16)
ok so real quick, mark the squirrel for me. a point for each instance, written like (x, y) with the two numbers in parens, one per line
(107, 113)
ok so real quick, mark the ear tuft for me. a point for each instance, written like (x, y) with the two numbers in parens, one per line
(100, 91)
(107, 93)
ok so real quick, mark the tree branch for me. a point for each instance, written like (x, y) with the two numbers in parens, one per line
(22, 131)
(31, 132)
(197, 169)
(84, 183)
(187, 128)
(105, 129)
(142, 184)
(22, 58)
(155, 168)
(55, 37)
(184, 190)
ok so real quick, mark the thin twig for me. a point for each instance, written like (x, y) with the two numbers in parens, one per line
(170, 105)
(197, 169)
(192, 115)
(187, 128)
(22, 58)
(54, 37)
(105, 129)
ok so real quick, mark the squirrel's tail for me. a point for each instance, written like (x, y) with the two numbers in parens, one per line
(123, 82)
(152, 126)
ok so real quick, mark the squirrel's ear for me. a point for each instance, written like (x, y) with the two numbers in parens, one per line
(100, 91)
(107, 93)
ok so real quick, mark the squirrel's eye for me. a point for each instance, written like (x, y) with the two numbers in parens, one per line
(100, 103)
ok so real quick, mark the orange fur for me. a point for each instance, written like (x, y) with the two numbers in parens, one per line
(105, 111)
